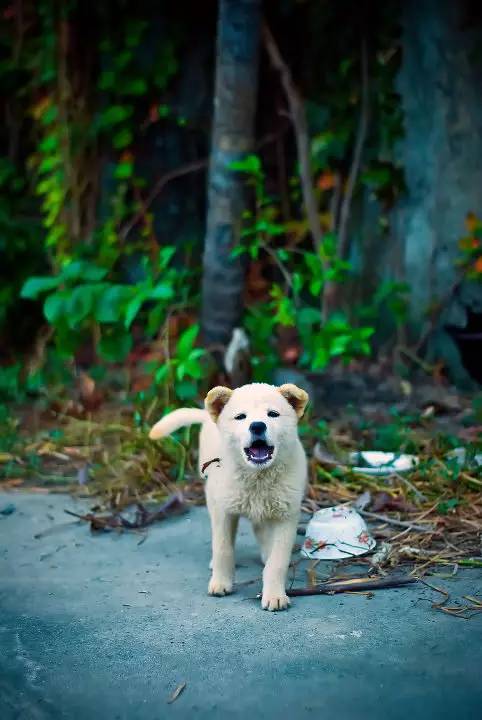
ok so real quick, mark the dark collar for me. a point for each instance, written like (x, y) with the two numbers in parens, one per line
(208, 463)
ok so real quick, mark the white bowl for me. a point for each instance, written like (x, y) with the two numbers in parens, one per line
(382, 463)
(336, 532)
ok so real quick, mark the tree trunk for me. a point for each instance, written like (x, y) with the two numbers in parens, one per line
(440, 83)
(232, 138)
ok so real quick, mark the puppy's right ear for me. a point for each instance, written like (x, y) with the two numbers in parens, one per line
(215, 401)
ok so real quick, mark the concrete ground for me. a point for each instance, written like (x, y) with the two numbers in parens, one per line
(100, 626)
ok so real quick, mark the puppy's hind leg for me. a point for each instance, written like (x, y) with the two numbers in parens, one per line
(223, 527)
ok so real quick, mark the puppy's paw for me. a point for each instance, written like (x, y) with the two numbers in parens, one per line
(275, 601)
(220, 587)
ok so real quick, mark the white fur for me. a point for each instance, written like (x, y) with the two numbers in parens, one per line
(269, 495)
(176, 420)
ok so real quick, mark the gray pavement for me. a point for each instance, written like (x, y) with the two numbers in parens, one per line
(100, 626)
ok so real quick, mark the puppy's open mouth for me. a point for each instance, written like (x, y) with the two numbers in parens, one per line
(259, 452)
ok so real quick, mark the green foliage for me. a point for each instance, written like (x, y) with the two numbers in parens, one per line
(82, 297)
(185, 368)
(297, 300)
(88, 260)
(74, 259)
(447, 506)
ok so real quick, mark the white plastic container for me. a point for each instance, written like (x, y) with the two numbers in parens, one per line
(382, 463)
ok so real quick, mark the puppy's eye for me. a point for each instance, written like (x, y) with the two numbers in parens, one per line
(241, 416)
(273, 413)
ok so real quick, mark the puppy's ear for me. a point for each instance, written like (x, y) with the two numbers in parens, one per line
(215, 401)
(297, 398)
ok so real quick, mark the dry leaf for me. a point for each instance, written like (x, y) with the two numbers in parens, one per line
(90, 397)
(6, 457)
(177, 692)
(385, 501)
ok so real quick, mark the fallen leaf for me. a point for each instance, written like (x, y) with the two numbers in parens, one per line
(6, 457)
(363, 500)
(471, 222)
(8, 509)
(90, 397)
(327, 180)
(74, 452)
(11, 482)
(177, 692)
(385, 501)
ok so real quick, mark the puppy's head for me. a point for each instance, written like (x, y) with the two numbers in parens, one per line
(257, 422)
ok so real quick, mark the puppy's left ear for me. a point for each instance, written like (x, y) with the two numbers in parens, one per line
(297, 398)
(215, 401)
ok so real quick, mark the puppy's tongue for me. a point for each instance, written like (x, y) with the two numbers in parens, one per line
(259, 452)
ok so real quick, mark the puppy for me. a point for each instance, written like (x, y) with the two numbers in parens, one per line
(256, 467)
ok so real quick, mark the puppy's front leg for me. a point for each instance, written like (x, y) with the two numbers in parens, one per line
(283, 534)
(223, 528)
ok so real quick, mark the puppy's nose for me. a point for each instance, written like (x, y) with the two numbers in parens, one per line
(257, 428)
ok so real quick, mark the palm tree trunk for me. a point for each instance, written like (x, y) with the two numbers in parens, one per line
(232, 138)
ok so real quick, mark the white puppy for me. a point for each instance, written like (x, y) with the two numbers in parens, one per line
(256, 467)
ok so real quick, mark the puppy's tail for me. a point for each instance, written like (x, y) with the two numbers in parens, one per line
(177, 419)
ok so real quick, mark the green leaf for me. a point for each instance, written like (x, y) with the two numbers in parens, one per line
(107, 80)
(308, 316)
(155, 319)
(163, 111)
(122, 139)
(34, 286)
(298, 281)
(273, 230)
(186, 341)
(111, 303)
(377, 178)
(114, 115)
(186, 390)
(161, 373)
(115, 344)
(193, 368)
(339, 344)
(136, 86)
(54, 306)
(180, 371)
(366, 332)
(49, 163)
(81, 270)
(446, 505)
(285, 312)
(123, 170)
(133, 308)
(161, 291)
(80, 303)
(49, 115)
(321, 359)
(315, 287)
(238, 250)
(250, 164)
(49, 143)
(166, 254)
